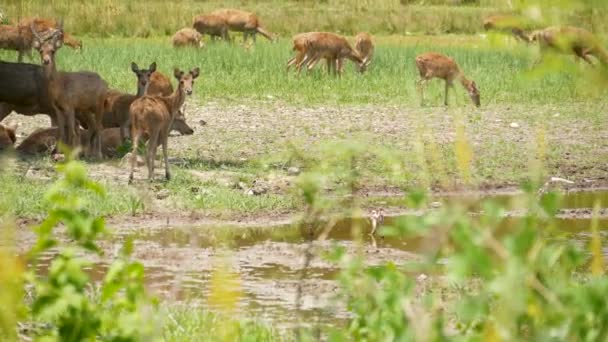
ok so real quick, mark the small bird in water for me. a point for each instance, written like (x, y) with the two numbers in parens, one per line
(377, 218)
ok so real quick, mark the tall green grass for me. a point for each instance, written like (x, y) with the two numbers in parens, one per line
(130, 18)
(504, 74)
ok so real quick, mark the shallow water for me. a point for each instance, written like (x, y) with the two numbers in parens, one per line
(268, 261)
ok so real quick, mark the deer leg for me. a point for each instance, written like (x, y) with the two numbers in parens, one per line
(151, 155)
(71, 127)
(134, 154)
(329, 65)
(339, 66)
(166, 157)
(253, 36)
(313, 62)
(447, 88)
(20, 56)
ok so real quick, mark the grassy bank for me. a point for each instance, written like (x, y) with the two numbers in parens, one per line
(503, 71)
(142, 19)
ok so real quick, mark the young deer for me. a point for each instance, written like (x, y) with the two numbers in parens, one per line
(213, 25)
(300, 46)
(435, 65)
(506, 23)
(243, 21)
(187, 37)
(365, 47)
(116, 104)
(160, 85)
(334, 48)
(153, 115)
(570, 40)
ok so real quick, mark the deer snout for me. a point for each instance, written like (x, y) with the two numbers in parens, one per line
(46, 60)
(188, 91)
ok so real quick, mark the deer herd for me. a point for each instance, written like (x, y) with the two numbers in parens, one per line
(85, 112)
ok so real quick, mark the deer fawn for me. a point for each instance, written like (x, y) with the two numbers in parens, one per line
(243, 21)
(569, 39)
(365, 47)
(72, 93)
(153, 116)
(334, 48)
(116, 104)
(506, 23)
(160, 85)
(435, 65)
(187, 37)
(213, 25)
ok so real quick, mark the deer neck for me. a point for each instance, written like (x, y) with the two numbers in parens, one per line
(50, 72)
(463, 80)
(175, 100)
(141, 90)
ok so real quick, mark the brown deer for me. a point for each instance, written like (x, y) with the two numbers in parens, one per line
(116, 103)
(7, 137)
(364, 45)
(160, 85)
(334, 48)
(213, 25)
(301, 47)
(152, 116)
(435, 65)
(507, 23)
(187, 37)
(44, 141)
(72, 94)
(243, 21)
(10, 39)
(570, 40)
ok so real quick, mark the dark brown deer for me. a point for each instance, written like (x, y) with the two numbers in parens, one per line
(72, 93)
(243, 21)
(213, 25)
(435, 65)
(7, 137)
(116, 104)
(152, 116)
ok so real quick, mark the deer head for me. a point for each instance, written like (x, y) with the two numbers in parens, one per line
(186, 80)
(49, 44)
(143, 76)
(473, 93)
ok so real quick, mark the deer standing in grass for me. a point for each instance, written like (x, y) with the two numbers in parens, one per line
(364, 45)
(160, 85)
(300, 46)
(435, 65)
(334, 48)
(243, 21)
(570, 40)
(72, 94)
(153, 115)
(213, 25)
(116, 104)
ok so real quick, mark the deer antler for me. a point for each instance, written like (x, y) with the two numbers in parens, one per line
(36, 35)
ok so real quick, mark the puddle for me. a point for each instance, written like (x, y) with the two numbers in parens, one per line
(269, 261)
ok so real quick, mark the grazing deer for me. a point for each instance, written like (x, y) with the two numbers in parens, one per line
(116, 104)
(506, 23)
(213, 25)
(300, 46)
(187, 37)
(365, 47)
(7, 137)
(334, 48)
(435, 65)
(243, 21)
(72, 94)
(570, 40)
(153, 115)
(44, 141)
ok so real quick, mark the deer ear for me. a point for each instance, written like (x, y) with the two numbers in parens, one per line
(153, 67)
(195, 72)
(178, 73)
(134, 67)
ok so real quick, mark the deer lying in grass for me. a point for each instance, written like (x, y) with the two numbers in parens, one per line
(334, 48)
(72, 94)
(116, 103)
(213, 25)
(570, 40)
(7, 137)
(435, 65)
(187, 37)
(365, 47)
(243, 21)
(44, 141)
(20, 38)
(506, 23)
(153, 115)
